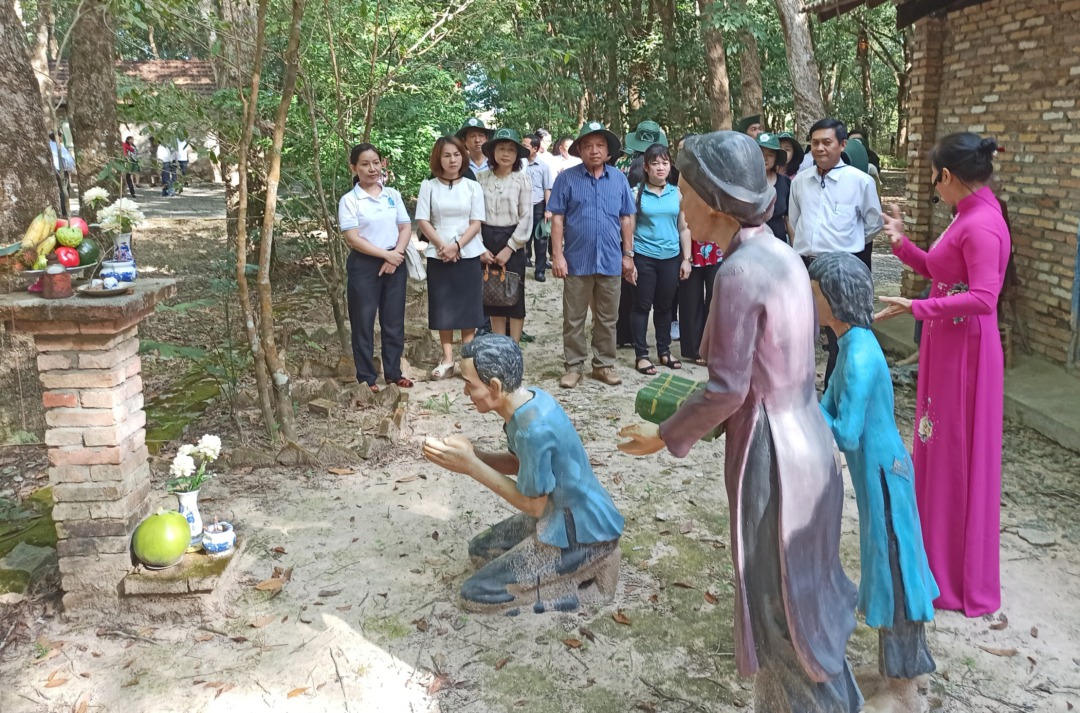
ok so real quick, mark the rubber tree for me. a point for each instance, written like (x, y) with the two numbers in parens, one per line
(802, 64)
(27, 180)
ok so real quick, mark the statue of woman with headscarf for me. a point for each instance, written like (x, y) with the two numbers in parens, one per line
(795, 607)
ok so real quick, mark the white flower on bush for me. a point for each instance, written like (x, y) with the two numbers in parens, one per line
(183, 466)
(95, 195)
(209, 447)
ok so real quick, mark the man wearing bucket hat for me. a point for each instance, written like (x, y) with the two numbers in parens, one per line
(794, 606)
(592, 225)
(637, 142)
(750, 125)
(474, 134)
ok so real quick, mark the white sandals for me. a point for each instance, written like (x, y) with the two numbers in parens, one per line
(442, 371)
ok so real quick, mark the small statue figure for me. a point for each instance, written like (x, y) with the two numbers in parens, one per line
(794, 606)
(896, 589)
(562, 549)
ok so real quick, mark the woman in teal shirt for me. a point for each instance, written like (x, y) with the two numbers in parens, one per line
(661, 258)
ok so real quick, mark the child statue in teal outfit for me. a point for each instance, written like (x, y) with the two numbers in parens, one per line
(897, 590)
(562, 549)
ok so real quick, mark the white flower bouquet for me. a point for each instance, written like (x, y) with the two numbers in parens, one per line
(121, 216)
(95, 196)
(189, 467)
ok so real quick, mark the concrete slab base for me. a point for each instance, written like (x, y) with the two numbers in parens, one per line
(1040, 395)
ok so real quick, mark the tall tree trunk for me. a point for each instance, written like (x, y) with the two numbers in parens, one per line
(613, 103)
(805, 77)
(279, 374)
(92, 97)
(27, 181)
(862, 57)
(234, 68)
(903, 90)
(752, 100)
(373, 95)
(677, 109)
(262, 378)
(719, 88)
(154, 54)
(39, 60)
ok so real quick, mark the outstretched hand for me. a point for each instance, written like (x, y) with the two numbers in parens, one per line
(454, 453)
(894, 225)
(894, 306)
(644, 439)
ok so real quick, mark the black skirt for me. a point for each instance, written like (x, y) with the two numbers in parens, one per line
(455, 294)
(495, 239)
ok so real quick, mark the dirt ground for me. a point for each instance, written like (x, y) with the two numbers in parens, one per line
(369, 620)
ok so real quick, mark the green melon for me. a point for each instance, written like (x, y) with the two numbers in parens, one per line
(89, 252)
(161, 539)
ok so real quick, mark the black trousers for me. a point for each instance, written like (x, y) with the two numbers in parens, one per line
(623, 334)
(369, 293)
(695, 296)
(656, 285)
(538, 253)
(832, 346)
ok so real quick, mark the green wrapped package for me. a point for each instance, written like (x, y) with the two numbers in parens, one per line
(662, 396)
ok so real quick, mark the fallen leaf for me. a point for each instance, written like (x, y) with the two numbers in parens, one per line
(216, 684)
(589, 683)
(296, 692)
(84, 674)
(239, 639)
(998, 652)
(1034, 632)
(500, 663)
(587, 633)
(284, 618)
(280, 550)
(54, 682)
(655, 599)
(683, 585)
(329, 592)
(1032, 663)
(356, 539)
(204, 637)
(340, 471)
(686, 528)
(82, 704)
(645, 706)
(262, 621)
(96, 654)
(621, 618)
(1000, 624)
(223, 689)
(347, 607)
(270, 585)
(665, 532)
(435, 535)
(617, 479)
(573, 643)
(198, 682)
(421, 624)
(710, 598)
(384, 595)
(440, 682)
(406, 479)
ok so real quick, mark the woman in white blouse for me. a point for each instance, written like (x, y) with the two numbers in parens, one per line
(449, 210)
(508, 221)
(376, 227)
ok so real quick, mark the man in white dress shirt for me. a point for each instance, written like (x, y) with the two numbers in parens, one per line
(834, 207)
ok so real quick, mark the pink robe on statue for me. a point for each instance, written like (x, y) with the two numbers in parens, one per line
(958, 417)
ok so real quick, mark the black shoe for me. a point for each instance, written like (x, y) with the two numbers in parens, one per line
(528, 262)
(540, 277)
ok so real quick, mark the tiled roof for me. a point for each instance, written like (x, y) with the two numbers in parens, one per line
(907, 11)
(196, 75)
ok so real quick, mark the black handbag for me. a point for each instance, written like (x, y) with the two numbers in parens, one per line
(502, 288)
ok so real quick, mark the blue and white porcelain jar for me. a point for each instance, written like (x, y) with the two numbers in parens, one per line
(122, 270)
(218, 539)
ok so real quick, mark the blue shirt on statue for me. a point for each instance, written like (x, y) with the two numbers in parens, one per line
(858, 406)
(553, 462)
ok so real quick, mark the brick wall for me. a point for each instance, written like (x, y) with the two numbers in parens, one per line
(1010, 70)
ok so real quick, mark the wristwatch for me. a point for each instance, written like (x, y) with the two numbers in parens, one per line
(628, 253)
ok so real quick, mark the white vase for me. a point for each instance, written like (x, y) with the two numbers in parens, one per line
(122, 248)
(189, 508)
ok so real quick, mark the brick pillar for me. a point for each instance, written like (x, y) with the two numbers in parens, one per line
(97, 454)
(925, 95)
(88, 362)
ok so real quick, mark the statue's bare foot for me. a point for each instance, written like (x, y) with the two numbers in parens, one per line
(898, 695)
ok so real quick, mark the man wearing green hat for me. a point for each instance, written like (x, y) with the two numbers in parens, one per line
(750, 125)
(474, 134)
(592, 226)
(637, 141)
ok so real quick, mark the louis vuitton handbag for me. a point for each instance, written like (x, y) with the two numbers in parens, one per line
(502, 288)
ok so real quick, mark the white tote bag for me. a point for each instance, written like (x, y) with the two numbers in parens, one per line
(414, 263)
